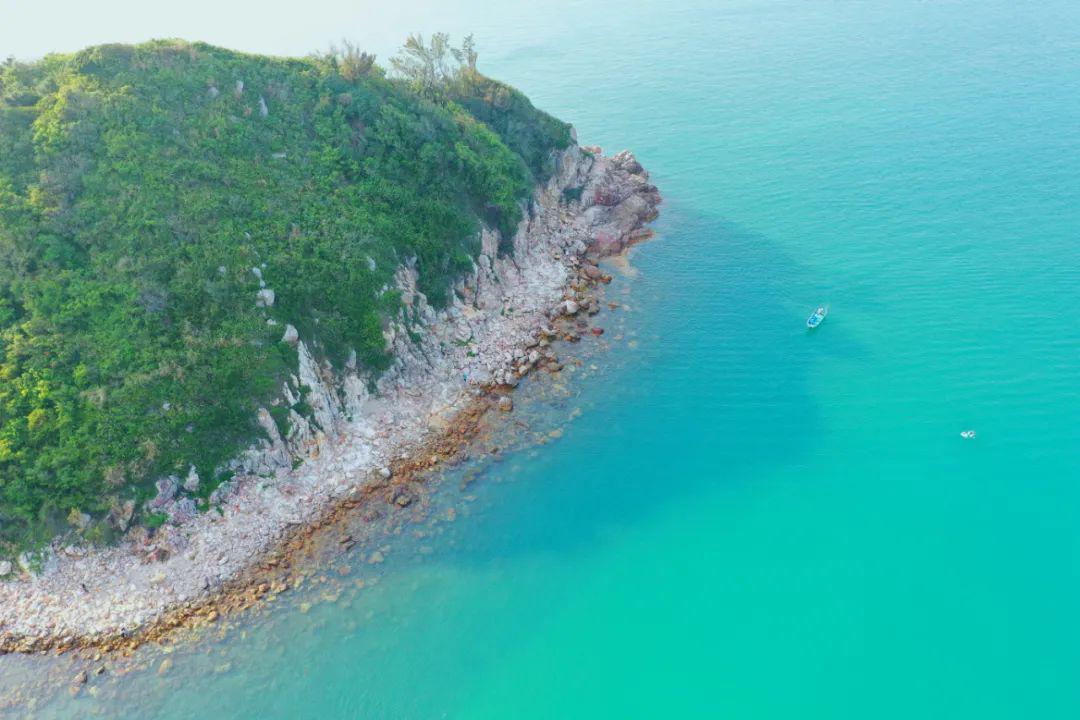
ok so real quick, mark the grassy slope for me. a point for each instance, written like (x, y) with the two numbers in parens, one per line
(139, 186)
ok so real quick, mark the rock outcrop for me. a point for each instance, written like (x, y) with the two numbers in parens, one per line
(618, 200)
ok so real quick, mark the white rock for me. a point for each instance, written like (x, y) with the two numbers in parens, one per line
(75, 551)
(265, 298)
(5, 568)
(291, 336)
(191, 482)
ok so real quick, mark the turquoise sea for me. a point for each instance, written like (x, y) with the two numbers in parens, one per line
(742, 519)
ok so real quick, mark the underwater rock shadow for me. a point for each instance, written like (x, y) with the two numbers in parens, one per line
(717, 391)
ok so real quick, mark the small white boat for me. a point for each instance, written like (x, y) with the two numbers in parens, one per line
(817, 317)
(967, 434)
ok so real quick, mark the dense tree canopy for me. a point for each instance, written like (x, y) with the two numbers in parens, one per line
(140, 190)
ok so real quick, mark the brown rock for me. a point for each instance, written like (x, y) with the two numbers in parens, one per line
(402, 497)
(77, 683)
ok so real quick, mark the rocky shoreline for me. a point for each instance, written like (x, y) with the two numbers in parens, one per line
(366, 452)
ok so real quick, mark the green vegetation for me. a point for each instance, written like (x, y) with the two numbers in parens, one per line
(140, 186)
(156, 520)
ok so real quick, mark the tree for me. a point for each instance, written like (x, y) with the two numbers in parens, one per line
(429, 66)
(352, 63)
(466, 55)
(347, 60)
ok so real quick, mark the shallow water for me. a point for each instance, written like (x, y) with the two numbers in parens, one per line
(747, 519)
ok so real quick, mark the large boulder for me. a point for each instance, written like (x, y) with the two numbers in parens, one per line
(182, 511)
(79, 519)
(626, 161)
(191, 482)
(221, 493)
(120, 515)
(265, 298)
(631, 213)
(606, 243)
(166, 491)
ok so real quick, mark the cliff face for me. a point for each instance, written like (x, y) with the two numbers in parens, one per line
(493, 332)
(610, 200)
